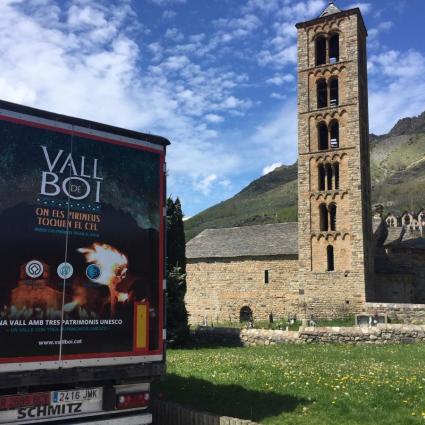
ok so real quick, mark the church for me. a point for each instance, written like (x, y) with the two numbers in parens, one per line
(340, 258)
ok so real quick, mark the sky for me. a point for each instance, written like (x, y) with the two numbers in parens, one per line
(216, 77)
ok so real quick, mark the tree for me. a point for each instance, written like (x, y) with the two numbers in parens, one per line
(176, 241)
(177, 317)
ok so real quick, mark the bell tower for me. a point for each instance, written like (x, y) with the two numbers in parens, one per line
(334, 206)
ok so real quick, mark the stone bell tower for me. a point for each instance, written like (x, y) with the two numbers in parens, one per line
(334, 207)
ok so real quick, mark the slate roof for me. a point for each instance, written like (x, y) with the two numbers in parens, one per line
(398, 237)
(330, 10)
(248, 241)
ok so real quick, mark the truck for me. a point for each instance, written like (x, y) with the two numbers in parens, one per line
(82, 278)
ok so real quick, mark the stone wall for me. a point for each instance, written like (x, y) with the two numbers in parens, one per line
(403, 313)
(217, 289)
(381, 334)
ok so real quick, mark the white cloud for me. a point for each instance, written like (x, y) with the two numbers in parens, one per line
(393, 63)
(169, 14)
(269, 168)
(278, 96)
(157, 51)
(280, 49)
(174, 34)
(386, 25)
(214, 118)
(297, 11)
(302, 10)
(233, 102)
(226, 183)
(167, 2)
(277, 137)
(204, 185)
(364, 7)
(266, 6)
(235, 29)
(247, 22)
(279, 80)
(397, 87)
(374, 33)
(279, 59)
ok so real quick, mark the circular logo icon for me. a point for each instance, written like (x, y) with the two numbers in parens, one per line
(34, 269)
(65, 270)
(93, 271)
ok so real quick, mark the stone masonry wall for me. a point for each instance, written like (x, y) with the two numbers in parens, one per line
(404, 313)
(381, 334)
(218, 288)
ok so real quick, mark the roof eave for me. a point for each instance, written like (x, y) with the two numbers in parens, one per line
(320, 19)
(287, 256)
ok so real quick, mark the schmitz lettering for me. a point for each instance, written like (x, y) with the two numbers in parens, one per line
(52, 410)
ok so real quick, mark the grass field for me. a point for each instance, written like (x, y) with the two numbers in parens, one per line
(302, 384)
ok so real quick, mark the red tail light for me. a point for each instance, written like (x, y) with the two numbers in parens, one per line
(133, 400)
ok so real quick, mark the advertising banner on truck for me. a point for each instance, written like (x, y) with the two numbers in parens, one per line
(81, 231)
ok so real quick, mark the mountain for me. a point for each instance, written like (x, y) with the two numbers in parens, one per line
(398, 178)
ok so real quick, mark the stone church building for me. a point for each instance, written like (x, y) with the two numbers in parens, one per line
(339, 258)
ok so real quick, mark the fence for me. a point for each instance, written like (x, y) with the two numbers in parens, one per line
(165, 413)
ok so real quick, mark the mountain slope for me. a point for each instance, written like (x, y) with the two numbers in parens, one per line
(398, 177)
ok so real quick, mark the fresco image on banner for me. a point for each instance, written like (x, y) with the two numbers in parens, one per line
(79, 239)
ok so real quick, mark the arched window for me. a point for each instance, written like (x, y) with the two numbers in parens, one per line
(334, 48)
(320, 50)
(330, 258)
(336, 175)
(334, 92)
(322, 177)
(407, 219)
(324, 223)
(334, 131)
(322, 94)
(245, 315)
(323, 136)
(332, 216)
(329, 176)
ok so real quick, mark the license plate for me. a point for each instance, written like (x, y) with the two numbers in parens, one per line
(76, 395)
(62, 404)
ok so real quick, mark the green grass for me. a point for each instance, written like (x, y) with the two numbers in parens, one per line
(302, 384)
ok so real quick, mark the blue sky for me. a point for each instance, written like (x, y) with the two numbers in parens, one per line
(217, 77)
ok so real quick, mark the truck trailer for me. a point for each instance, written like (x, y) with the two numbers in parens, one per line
(82, 260)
